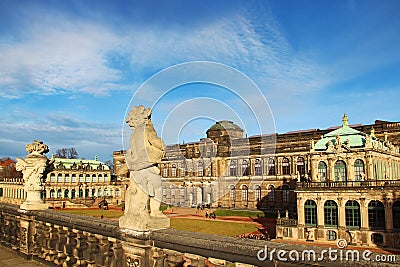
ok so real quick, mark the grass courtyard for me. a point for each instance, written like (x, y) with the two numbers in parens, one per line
(193, 225)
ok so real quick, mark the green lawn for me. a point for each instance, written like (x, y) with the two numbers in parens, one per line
(96, 213)
(212, 227)
(241, 213)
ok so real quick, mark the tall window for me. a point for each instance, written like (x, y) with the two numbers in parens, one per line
(52, 177)
(94, 178)
(59, 193)
(81, 179)
(258, 167)
(301, 168)
(73, 193)
(330, 213)
(66, 193)
(396, 214)
(59, 178)
(173, 170)
(232, 193)
(232, 168)
(200, 169)
(285, 166)
(87, 178)
(358, 169)
(285, 193)
(376, 214)
(340, 171)
(353, 219)
(257, 193)
(322, 171)
(165, 172)
(271, 166)
(245, 167)
(271, 193)
(106, 178)
(73, 178)
(67, 180)
(52, 193)
(245, 192)
(310, 213)
(100, 178)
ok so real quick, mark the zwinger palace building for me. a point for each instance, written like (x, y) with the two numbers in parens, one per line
(71, 183)
(341, 182)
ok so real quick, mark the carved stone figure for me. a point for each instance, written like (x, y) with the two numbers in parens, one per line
(146, 150)
(34, 169)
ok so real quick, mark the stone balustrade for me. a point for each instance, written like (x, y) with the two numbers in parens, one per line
(60, 239)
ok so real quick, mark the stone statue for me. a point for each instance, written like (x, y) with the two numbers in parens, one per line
(34, 169)
(146, 150)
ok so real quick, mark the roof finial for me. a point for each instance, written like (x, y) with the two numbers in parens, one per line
(345, 120)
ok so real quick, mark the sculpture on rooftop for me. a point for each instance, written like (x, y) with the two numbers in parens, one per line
(146, 150)
(34, 169)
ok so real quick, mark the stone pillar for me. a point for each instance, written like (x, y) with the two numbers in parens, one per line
(320, 219)
(364, 214)
(342, 217)
(300, 217)
(388, 216)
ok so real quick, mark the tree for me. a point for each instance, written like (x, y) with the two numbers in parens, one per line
(110, 164)
(66, 153)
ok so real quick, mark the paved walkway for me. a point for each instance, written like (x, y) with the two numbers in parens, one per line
(8, 257)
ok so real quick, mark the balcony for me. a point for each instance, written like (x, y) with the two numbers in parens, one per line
(376, 184)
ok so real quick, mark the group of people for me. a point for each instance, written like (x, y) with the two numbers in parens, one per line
(255, 236)
(211, 215)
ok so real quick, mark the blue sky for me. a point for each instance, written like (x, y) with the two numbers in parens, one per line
(69, 69)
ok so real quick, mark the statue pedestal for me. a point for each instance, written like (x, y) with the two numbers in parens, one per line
(33, 202)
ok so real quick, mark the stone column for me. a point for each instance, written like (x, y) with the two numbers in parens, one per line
(388, 216)
(300, 217)
(320, 219)
(342, 217)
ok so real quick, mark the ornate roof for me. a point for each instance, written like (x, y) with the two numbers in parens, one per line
(76, 163)
(345, 135)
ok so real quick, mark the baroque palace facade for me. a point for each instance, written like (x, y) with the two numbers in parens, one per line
(71, 183)
(341, 182)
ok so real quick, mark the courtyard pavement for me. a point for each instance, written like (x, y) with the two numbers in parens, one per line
(9, 258)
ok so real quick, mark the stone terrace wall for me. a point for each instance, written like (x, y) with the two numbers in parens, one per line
(59, 239)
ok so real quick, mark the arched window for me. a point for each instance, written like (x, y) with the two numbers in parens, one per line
(105, 192)
(87, 191)
(173, 170)
(81, 180)
(271, 193)
(232, 168)
(245, 193)
(353, 219)
(271, 166)
(340, 171)
(106, 178)
(100, 178)
(285, 193)
(331, 213)
(257, 193)
(310, 213)
(80, 193)
(66, 193)
(396, 214)
(117, 192)
(301, 167)
(376, 215)
(52, 178)
(73, 179)
(67, 180)
(52, 193)
(358, 170)
(257, 167)
(165, 171)
(94, 178)
(87, 178)
(99, 193)
(200, 169)
(232, 193)
(73, 193)
(245, 168)
(59, 193)
(322, 171)
(285, 166)
(59, 178)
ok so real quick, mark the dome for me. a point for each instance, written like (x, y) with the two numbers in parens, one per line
(344, 134)
(225, 125)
